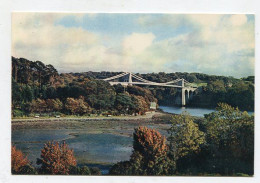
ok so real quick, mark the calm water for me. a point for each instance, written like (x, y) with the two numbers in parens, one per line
(88, 148)
(192, 111)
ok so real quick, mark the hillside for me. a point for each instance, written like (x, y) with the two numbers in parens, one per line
(39, 88)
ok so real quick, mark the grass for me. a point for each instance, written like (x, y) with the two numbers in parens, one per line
(200, 84)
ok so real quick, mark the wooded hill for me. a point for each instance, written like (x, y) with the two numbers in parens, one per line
(39, 88)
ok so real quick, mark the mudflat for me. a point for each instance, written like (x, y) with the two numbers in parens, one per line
(123, 125)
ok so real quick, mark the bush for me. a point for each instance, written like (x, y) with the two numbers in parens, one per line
(56, 159)
(27, 170)
(84, 171)
(95, 171)
(74, 170)
(18, 113)
(121, 168)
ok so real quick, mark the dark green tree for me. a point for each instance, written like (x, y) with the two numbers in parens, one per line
(230, 136)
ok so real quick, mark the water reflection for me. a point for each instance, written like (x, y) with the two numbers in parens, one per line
(192, 111)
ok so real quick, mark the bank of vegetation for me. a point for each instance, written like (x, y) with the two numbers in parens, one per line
(38, 89)
(220, 144)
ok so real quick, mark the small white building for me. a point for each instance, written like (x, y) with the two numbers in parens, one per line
(153, 105)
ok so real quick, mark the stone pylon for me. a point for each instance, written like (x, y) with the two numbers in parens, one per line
(130, 79)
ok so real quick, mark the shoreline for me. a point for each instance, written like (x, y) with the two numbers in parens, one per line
(100, 123)
(111, 118)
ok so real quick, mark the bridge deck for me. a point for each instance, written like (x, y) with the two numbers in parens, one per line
(152, 84)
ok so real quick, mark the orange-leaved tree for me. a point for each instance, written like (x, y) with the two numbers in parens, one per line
(18, 160)
(56, 159)
(150, 155)
(149, 142)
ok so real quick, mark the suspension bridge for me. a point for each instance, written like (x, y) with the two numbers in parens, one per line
(128, 78)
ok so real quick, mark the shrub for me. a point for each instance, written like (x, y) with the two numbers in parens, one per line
(74, 170)
(27, 170)
(121, 168)
(18, 113)
(95, 171)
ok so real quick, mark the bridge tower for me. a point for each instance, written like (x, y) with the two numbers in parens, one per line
(130, 79)
(186, 92)
(183, 97)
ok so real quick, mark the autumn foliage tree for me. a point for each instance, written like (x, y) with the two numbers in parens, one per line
(38, 105)
(149, 157)
(18, 161)
(149, 142)
(141, 106)
(77, 106)
(54, 104)
(56, 159)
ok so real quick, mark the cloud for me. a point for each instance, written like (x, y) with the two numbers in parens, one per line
(218, 44)
(36, 37)
(208, 20)
(212, 44)
(238, 20)
(136, 43)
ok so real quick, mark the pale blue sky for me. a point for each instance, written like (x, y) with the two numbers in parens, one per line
(124, 24)
(211, 44)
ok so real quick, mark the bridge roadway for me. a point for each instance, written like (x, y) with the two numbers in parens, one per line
(143, 83)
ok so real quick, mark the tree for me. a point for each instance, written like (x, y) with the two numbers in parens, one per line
(230, 136)
(27, 93)
(141, 106)
(150, 156)
(51, 93)
(124, 102)
(38, 105)
(16, 94)
(18, 160)
(185, 136)
(149, 143)
(56, 159)
(77, 106)
(54, 105)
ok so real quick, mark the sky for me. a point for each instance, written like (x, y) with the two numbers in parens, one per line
(216, 44)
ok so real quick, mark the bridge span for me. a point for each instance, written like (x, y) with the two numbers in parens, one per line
(186, 87)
